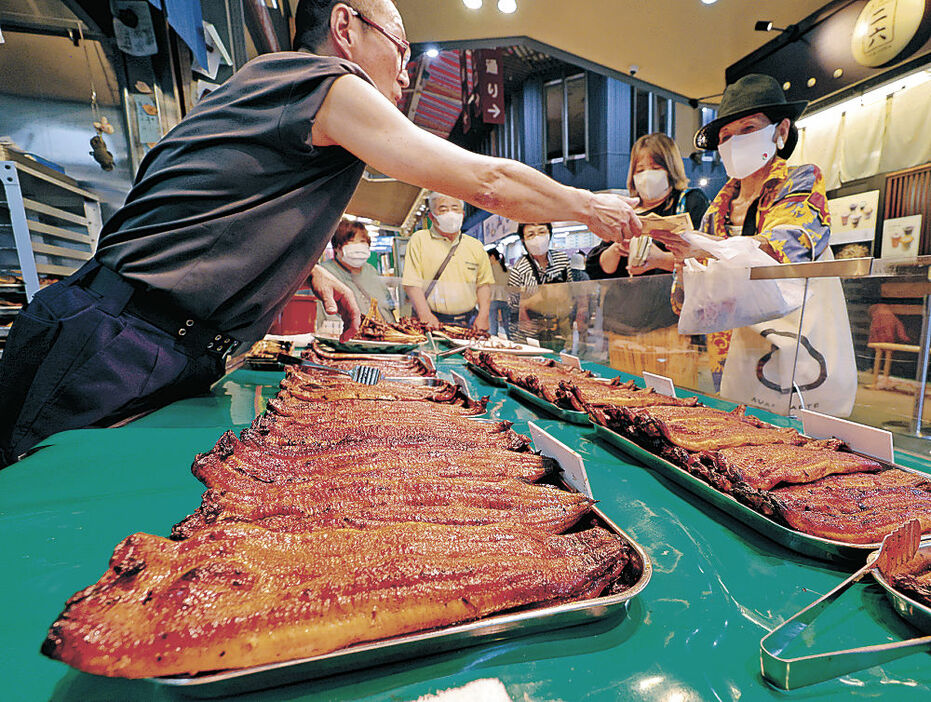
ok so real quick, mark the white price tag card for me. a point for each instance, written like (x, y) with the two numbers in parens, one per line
(532, 342)
(572, 465)
(859, 437)
(660, 384)
(570, 360)
(461, 383)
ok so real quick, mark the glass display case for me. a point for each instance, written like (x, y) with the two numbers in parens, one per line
(856, 347)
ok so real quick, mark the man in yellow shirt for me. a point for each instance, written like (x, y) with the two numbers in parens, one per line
(446, 273)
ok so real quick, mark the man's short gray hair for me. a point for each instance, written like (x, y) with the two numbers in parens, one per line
(434, 196)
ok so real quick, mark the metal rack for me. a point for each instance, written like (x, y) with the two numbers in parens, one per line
(48, 225)
(48, 228)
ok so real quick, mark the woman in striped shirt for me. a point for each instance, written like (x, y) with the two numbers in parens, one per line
(544, 310)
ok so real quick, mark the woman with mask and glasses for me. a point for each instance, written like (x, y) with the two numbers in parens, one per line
(352, 247)
(785, 209)
(544, 310)
(657, 177)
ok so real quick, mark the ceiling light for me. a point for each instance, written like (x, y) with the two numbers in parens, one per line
(507, 6)
(709, 2)
(702, 182)
(433, 53)
(473, 4)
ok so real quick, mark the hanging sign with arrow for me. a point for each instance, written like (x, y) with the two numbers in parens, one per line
(491, 85)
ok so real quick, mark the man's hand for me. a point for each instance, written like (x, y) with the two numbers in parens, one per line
(336, 299)
(680, 248)
(430, 320)
(612, 217)
(481, 322)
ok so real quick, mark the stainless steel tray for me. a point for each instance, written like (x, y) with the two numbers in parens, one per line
(912, 611)
(415, 646)
(573, 416)
(486, 375)
(369, 347)
(806, 544)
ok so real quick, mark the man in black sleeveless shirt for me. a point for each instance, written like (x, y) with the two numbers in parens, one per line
(228, 215)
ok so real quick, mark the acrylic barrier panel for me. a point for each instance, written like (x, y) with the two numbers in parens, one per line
(632, 325)
(888, 316)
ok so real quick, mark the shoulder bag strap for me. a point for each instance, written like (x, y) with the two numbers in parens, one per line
(439, 271)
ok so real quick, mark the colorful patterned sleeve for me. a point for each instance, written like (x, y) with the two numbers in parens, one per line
(796, 222)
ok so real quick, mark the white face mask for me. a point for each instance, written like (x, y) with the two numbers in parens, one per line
(449, 222)
(354, 254)
(652, 185)
(744, 154)
(538, 245)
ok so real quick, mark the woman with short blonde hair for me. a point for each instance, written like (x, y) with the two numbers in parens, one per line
(665, 154)
(657, 177)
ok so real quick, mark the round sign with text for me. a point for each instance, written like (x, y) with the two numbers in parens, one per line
(889, 30)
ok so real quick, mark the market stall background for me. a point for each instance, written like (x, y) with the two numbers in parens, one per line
(693, 634)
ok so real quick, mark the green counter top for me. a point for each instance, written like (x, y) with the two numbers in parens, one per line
(693, 634)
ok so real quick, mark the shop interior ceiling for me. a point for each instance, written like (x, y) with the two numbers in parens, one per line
(683, 46)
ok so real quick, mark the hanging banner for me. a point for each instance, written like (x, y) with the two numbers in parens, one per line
(491, 86)
(186, 19)
(467, 79)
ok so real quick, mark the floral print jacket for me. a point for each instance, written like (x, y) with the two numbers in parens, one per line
(792, 220)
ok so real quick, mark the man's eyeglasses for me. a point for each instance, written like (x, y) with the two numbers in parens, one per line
(402, 45)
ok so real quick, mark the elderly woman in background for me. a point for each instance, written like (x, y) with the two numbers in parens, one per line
(543, 309)
(352, 247)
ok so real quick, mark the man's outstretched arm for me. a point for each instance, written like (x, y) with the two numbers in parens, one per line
(357, 117)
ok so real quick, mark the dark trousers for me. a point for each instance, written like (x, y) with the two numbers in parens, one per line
(460, 320)
(75, 358)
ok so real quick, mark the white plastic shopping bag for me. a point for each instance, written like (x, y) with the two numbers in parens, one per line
(779, 366)
(720, 296)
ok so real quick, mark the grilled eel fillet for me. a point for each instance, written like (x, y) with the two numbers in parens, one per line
(276, 431)
(590, 396)
(859, 508)
(395, 368)
(915, 580)
(349, 500)
(374, 327)
(750, 472)
(766, 467)
(239, 595)
(305, 386)
(364, 412)
(541, 377)
(268, 465)
(665, 429)
(353, 410)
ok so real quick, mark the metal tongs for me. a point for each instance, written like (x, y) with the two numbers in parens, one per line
(366, 375)
(897, 549)
(437, 354)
